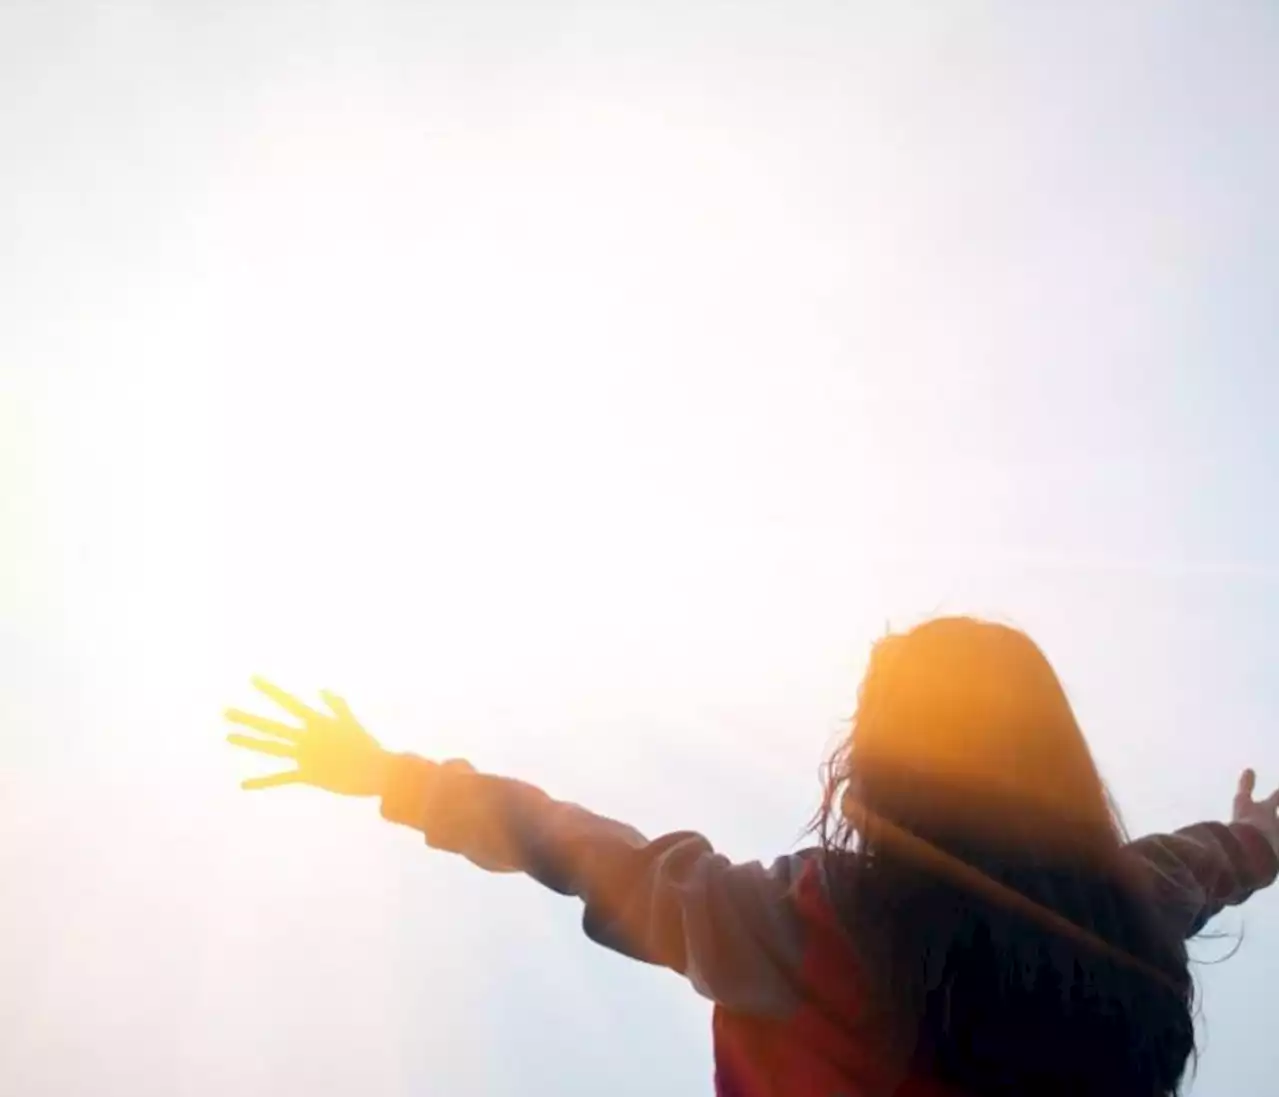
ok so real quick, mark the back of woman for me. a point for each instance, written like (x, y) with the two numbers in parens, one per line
(971, 922)
(974, 922)
(1004, 940)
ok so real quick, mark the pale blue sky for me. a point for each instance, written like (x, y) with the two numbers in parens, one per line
(581, 389)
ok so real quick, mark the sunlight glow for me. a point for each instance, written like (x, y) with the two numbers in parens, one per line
(448, 440)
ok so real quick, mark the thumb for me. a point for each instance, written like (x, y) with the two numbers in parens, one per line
(1272, 802)
(1244, 792)
(337, 706)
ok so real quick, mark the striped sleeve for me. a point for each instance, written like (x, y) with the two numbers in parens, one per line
(730, 929)
(1201, 869)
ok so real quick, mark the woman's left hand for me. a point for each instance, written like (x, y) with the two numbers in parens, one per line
(332, 750)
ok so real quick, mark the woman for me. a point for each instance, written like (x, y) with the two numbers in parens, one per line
(971, 920)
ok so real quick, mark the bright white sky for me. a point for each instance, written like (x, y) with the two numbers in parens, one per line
(582, 389)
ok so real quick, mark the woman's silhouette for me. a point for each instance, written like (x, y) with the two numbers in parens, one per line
(971, 920)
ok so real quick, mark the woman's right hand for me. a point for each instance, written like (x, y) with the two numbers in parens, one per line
(1261, 814)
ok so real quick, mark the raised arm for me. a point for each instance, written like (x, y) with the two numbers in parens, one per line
(673, 901)
(1206, 867)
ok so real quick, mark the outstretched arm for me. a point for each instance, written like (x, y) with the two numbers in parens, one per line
(730, 929)
(1205, 867)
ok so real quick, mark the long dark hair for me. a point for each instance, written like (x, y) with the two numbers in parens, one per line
(1005, 942)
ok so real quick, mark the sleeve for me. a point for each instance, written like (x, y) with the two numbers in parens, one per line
(1201, 869)
(732, 930)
